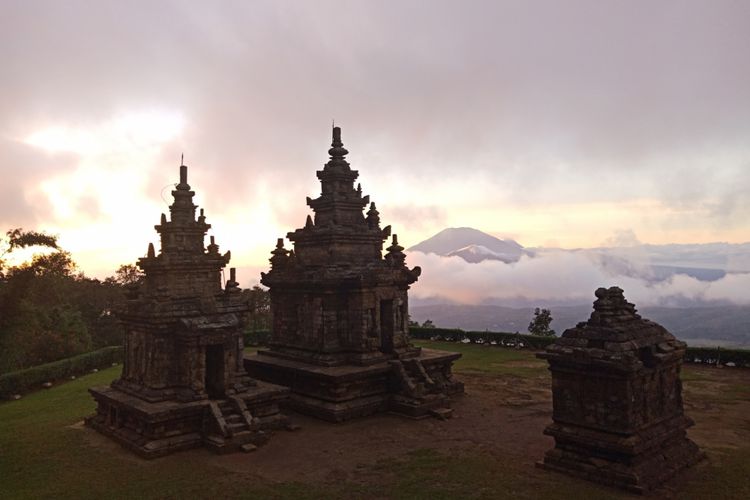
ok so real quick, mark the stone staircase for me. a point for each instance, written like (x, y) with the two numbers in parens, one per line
(419, 396)
(230, 427)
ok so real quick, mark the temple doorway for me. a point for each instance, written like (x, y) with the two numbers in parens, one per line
(215, 371)
(386, 326)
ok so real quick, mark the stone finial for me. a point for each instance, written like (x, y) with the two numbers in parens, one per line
(309, 222)
(280, 255)
(232, 285)
(202, 217)
(337, 150)
(163, 219)
(373, 217)
(611, 308)
(151, 252)
(395, 255)
(183, 176)
(213, 247)
(359, 189)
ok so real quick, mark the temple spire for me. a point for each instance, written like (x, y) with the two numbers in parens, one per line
(337, 150)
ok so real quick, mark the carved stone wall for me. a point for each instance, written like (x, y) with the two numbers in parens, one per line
(339, 302)
(617, 399)
(183, 382)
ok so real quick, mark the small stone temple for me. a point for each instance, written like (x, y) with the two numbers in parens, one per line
(183, 383)
(340, 313)
(617, 399)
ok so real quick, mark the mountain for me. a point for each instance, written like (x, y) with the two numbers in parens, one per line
(719, 325)
(471, 245)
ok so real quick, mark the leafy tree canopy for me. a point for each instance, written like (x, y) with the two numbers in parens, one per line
(540, 323)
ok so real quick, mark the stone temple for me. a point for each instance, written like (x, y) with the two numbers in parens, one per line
(617, 399)
(340, 313)
(183, 383)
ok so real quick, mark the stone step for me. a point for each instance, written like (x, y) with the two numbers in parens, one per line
(234, 418)
(214, 440)
(234, 428)
(442, 413)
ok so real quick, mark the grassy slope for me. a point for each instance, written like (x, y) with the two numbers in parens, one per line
(42, 456)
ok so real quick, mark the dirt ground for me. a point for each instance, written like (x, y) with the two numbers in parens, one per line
(502, 416)
(480, 422)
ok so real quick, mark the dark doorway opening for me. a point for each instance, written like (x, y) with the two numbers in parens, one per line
(215, 371)
(386, 325)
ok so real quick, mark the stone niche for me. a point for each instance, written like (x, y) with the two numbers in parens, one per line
(617, 399)
(340, 336)
(183, 382)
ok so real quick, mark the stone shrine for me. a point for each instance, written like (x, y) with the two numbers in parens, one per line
(340, 313)
(183, 383)
(617, 399)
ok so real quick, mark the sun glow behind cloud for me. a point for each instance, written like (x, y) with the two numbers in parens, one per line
(99, 209)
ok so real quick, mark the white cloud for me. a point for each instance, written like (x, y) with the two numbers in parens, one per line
(562, 277)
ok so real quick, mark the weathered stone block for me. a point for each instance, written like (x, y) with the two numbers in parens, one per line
(617, 399)
(183, 382)
(340, 311)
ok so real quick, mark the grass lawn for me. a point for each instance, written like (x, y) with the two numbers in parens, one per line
(43, 454)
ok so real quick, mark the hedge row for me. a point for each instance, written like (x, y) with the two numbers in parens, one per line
(32, 378)
(499, 338)
(718, 356)
(256, 337)
(22, 381)
(706, 355)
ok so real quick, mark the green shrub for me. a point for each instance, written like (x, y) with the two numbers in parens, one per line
(718, 356)
(22, 381)
(707, 355)
(500, 338)
(256, 337)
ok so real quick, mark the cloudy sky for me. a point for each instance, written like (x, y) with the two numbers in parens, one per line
(554, 123)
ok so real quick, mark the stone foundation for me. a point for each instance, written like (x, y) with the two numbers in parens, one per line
(339, 393)
(157, 429)
(634, 463)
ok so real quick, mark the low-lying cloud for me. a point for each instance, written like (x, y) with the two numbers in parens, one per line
(556, 277)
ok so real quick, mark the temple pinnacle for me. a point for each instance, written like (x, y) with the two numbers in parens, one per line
(337, 147)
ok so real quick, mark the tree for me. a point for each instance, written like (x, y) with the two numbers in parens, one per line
(428, 324)
(540, 323)
(18, 238)
(259, 302)
(128, 274)
(47, 308)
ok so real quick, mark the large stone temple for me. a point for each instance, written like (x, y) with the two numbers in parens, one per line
(183, 383)
(340, 313)
(618, 417)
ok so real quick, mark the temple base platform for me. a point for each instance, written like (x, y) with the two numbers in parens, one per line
(417, 387)
(152, 429)
(638, 463)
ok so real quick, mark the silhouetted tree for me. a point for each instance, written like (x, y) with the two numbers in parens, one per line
(259, 301)
(128, 275)
(428, 324)
(540, 323)
(48, 308)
